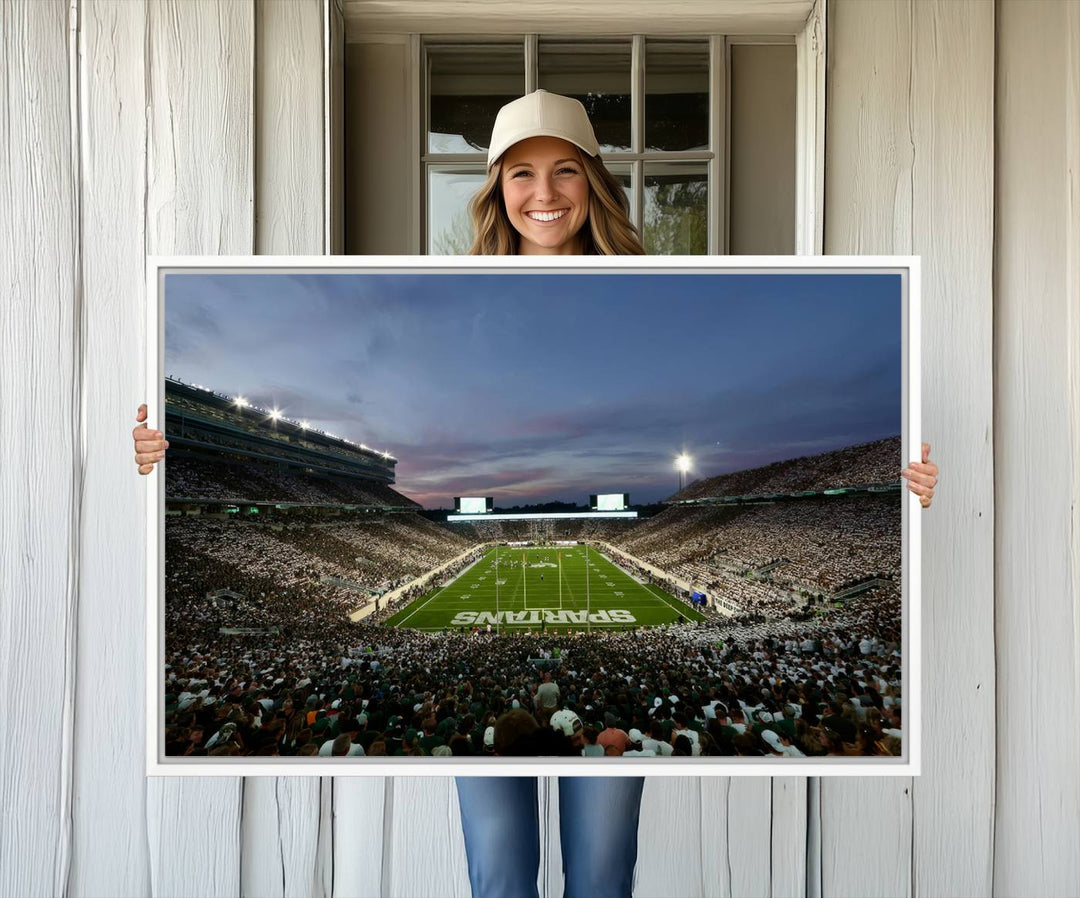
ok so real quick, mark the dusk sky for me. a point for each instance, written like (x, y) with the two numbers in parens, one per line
(531, 388)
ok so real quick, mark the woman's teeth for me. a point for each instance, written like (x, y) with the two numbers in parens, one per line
(546, 216)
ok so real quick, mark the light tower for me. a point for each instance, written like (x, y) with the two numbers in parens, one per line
(683, 463)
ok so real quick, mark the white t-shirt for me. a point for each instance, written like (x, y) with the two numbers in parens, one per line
(326, 750)
(710, 709)
(660, 749)
(692, 735)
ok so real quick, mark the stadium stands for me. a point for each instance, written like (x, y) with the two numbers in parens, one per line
(274, 667)
(236, 481)
(870, 463)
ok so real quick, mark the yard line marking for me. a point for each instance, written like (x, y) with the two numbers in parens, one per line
(418, 607)
(668, 603)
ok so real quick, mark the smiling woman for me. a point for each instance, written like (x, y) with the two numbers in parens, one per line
(546, 195)
(547, 190)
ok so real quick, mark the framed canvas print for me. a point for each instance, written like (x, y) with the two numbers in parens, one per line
(506, 516)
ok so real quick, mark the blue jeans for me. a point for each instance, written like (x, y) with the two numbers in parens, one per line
(598, 822)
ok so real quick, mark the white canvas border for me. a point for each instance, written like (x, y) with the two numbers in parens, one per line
(908, 765)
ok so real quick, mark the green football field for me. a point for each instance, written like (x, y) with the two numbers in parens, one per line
(556, 588)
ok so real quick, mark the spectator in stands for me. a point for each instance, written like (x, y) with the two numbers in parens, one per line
(547, 698)
(637, 749)
(591, 749)
(612, 736)
(569, 724)
(833, 719)
(656, 742)
(682, 729)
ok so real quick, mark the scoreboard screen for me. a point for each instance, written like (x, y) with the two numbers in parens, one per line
(610, 501)
(473, 504)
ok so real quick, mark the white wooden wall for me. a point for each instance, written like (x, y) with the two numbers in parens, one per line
(909, 146)
(185, 126)
(1036, 836)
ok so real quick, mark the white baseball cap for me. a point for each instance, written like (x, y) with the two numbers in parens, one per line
(773, 739)
(566, 722)
(541, 114)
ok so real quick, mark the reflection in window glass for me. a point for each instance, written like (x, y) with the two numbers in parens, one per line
(467, 84)
(623, 176)
(676, 209)
(597, 74)
(676, 95)
(449, 191)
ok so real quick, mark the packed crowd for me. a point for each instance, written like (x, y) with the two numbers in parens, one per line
(374, 553)
(191, 478)
(827, 684)
(763, 555)
(878, 462)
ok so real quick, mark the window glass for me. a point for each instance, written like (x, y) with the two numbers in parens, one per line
(623, 174)
(597, 74)
(449, 190)
(676, 95)
(467, 84)
(676, 208)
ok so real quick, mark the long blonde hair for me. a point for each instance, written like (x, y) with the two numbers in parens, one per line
(607, 232)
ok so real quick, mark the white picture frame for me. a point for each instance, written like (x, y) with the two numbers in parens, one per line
(908, 764)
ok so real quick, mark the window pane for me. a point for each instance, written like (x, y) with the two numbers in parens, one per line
(676, 209)
(467, 84)
(623, 174)
(676, 95)
(597, 74)
(449, 191)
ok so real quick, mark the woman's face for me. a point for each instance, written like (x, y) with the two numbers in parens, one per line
(546, 195)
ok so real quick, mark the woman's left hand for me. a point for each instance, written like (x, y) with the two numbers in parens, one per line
(922, 477)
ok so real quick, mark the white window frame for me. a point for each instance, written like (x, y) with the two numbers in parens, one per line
(809, 42)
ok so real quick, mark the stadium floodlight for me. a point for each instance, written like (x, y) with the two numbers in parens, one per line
(275, 413)
(304, 425)
(683, 463)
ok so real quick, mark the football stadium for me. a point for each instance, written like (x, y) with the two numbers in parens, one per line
(312, 608)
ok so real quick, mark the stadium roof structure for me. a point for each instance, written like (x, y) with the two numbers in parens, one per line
(201, 420)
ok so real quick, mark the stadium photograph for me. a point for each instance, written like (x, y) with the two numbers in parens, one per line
(574, 514)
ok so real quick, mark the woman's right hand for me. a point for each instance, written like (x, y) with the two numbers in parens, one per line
(150, 445)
